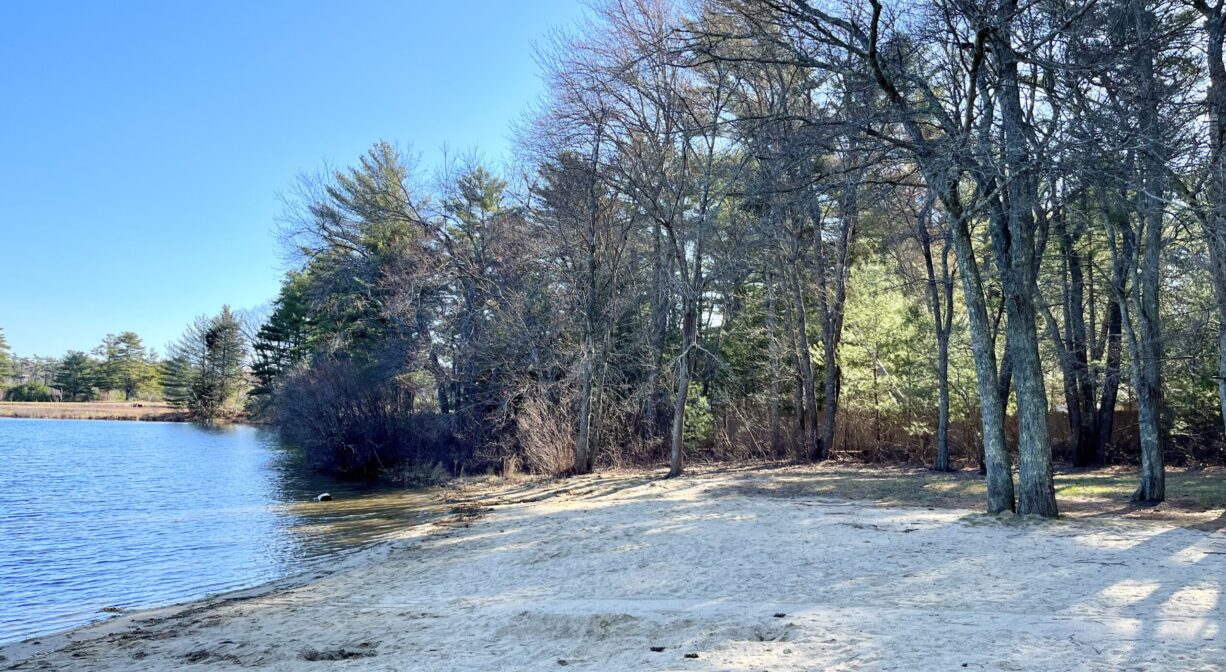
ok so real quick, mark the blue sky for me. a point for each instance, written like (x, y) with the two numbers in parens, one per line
(143, 144)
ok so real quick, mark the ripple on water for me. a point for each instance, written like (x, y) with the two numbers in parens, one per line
(98, 514)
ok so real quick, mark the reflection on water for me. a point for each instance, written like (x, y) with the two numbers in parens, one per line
(105, 514)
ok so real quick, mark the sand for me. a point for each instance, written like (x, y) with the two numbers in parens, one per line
(593, 573)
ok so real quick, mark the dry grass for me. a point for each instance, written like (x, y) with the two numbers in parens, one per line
(92, 410)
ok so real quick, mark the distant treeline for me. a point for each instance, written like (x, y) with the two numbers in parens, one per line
(120, 366)
(205, 372)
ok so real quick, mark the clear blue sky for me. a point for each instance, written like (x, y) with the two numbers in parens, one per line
(142, 144)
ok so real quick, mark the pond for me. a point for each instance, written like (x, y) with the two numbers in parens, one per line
(104, 515)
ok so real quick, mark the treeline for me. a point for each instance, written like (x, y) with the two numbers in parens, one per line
(120, 365)
(205, 372)
(956, 232)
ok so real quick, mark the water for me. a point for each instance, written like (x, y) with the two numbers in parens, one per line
(111, 514)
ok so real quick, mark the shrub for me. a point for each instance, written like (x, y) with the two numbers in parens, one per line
(350, 421)
(29, 392)
(546, 436)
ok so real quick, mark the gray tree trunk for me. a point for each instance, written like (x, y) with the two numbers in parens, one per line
(998, 470)
(1145, 334)
(940, 300)
(1214, 220)
(583, 442)
(689, 334)
(772, 344)
(1013, 233)
(805, 360)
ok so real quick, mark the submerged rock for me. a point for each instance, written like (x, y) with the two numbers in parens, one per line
(325, 497)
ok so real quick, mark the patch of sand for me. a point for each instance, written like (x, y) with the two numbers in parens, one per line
(594, 574)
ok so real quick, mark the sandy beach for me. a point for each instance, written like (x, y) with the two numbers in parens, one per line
(718, 571)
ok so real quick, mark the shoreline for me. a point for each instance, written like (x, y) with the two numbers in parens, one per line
(14, 654)
(17, 653)
(136, 411)
(455, 509)
(733, 565)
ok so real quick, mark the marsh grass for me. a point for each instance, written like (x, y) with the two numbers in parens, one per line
(92, 410)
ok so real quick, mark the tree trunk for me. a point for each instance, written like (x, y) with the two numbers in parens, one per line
(798, 397)
(1111, 371)
(661, 271)
(832, 296)
(1214, 220)
(1013, 233)
(1147, 358)
(940, 300)
(689, 333)
(772, 345)
(597, 406)
(998, 470)
(811, 447)
(583, 443)
(942, 461)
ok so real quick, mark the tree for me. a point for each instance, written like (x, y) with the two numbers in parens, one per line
(204, 371)
(1211, 199)
(284, 340)
(76, 375)
(6, 360)
(589, 232)
(711, 194)
(126, 365)
(939, 284)
(928, 128)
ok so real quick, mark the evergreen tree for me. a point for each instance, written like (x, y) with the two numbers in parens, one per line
(126, 364)
(76, 375)
(204, 372)
(284, 340)
(6, 361)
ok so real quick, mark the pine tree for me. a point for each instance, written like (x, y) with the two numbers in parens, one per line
(126, 364)
(205, 372)
(284, 340)
(6, 361)
(76, 375)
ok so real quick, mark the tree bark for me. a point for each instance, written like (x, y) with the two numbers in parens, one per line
(583, 462)
(999, 472)
(1145, 335)
(1013, 233)
(805, 360)
(772, 345)
(1214, 220)
(689, 332)
(940, 300)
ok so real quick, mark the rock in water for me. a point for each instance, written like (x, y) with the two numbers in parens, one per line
(325, 497)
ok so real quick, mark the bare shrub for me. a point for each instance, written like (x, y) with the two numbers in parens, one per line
(347, 420)
(546, 436)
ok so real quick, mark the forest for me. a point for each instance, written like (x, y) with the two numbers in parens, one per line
(968, 235)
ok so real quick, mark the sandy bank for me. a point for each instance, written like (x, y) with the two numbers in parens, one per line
(593, 573)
